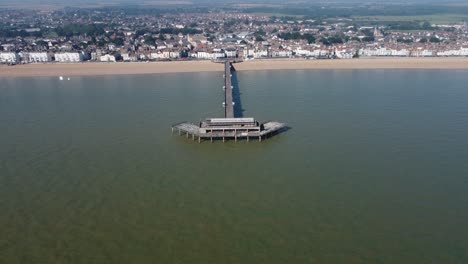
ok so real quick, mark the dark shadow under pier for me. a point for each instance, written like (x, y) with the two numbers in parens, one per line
(236, 94)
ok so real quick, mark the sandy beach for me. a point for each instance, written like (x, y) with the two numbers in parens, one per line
(95, 69)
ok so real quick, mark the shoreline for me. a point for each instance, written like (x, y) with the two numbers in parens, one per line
(134, 68)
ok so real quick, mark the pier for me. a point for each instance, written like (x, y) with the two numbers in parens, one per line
(228, 102)
(231, 127)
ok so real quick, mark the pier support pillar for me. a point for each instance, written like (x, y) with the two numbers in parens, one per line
(199, 140)
(259, 138)
(247, 138)
(193, 136)
(179, 132)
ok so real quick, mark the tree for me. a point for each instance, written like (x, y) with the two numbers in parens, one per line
(80, 29)
(118, 41)
(101, 43)
(140, 32)
(426, 25)
(184, 54)
(434, 40)
(368, 32)
(118, 57)
(149, 40)
(296, 35)
(403, 40)
(356, 55)
(41, 43)
(309, 37)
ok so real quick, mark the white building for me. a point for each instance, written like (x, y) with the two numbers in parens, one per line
(218, 55)
(166, 54)
(281, 53)
(231, 53)
(68, 57)
(375, 52)
(128, 57)
(204, 55)
(427, 53)
(156, 55)
(144, 57)
(320, 53)
(384, 52)
(303, 52)
(8, 57)
(8, 47)
(400, 53)
(260, 54)
(107, 58)
(344, 54)
(33, 57)
(419, 52)
(454, 52)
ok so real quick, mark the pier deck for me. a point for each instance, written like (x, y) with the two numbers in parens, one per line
(229, 132)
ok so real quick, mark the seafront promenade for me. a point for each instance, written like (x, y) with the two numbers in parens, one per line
(123, 68)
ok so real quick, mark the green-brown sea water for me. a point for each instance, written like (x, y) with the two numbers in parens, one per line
(373, 170)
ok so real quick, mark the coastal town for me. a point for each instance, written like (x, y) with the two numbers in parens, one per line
(115, 35)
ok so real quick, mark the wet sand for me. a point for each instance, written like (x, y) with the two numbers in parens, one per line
(95, 69)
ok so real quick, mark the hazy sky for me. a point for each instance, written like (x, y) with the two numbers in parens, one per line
(228, 1)
(12, 3)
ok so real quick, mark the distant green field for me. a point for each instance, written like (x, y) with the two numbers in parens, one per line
(434, 19)
(276, 14)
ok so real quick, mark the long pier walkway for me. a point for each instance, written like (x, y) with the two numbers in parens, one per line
(228, 101)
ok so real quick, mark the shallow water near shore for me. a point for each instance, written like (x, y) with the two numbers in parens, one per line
(373, 170)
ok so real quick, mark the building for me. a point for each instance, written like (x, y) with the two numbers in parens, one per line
(9, 57)
(281, 53)
(107, 58)
(203, 55)
(226, 125)
(68, 57)
(129, 57)
(35, 57)
(8, 47)
(231, 53)
(453, 52)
